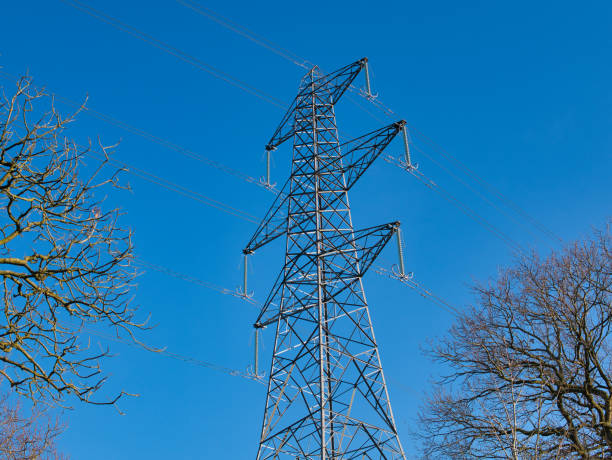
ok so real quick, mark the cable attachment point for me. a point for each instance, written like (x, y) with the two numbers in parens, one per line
(265, 181)
(395, 270)
(367, 93)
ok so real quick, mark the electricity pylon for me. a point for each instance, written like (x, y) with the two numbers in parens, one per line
(327, 397)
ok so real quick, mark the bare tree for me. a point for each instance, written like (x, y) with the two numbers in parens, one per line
(65, 263)
(27, 436)
(531, 365)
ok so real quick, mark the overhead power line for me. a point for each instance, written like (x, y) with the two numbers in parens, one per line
(194, 280)
(380, 270)
(469, 187)
(273, 47)
(291, 57)
(197, 196)
(167, 48)
(246, 33)
(423, 291)
(488, 186)
(106, 118)
(169, 185)
(460, 205)
(179, 357)
(453, 200)
(231, 210)
(180, 189)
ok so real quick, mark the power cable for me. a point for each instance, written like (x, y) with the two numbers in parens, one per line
(180, 357)
(424, 292)
(207, 12)
(181, 190)
(154, 138)
(192, 279)
(188, 58)
(249, 376)
(152, 40)
(485, 184)
(468, 186)
(214, 203)
(146, 175)
(246, 33)
(464, 208)
(196, 196)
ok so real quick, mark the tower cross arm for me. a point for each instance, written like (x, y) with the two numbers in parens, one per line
(349, 255)
(333, 85)
(273, 224)
(362, 151)
(363, 246)
(359, 155)
(339, 81)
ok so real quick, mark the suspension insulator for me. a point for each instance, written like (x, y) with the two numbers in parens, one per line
(245, 274)
(367, 80)
(268, 168)
(266, 179)
(407, 148)
(400, 252)
(256, 362)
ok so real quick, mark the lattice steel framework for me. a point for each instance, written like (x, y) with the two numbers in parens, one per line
(327, 397)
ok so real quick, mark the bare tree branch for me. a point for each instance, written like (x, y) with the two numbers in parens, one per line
(530, 366)
(27, 437)
(65, 262)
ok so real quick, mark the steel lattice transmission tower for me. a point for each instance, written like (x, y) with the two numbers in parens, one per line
(327, 397)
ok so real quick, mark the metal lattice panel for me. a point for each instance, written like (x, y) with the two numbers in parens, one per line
(327, 397)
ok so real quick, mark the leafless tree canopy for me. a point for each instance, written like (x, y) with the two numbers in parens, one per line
(531, 365)
(27, 437)
(64, 260)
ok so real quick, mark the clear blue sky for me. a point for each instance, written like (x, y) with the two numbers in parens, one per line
(518, 91)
